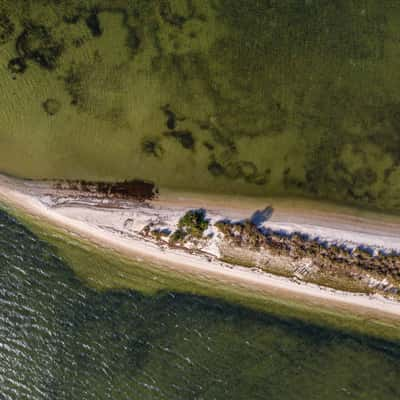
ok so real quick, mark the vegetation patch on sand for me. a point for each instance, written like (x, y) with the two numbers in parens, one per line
(194, 223)
(351, 269)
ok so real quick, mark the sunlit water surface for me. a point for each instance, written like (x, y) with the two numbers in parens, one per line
(60, 339)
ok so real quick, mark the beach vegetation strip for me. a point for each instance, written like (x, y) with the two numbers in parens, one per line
(120, 225)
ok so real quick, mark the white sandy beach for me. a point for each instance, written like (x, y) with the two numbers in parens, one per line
(105, 227)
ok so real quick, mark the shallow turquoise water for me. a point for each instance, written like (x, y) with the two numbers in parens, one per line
(60, 339)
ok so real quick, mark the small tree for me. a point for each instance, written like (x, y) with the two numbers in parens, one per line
(193, 223)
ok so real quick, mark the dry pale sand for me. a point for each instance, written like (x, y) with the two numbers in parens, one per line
(326, 221)
(12, 192)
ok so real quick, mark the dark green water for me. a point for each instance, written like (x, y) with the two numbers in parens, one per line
(60, 339)
(251, 97)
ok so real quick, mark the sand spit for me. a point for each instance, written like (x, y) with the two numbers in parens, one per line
(119, 224)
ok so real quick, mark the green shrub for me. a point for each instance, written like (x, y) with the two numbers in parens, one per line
(193, 223)
(178, 236)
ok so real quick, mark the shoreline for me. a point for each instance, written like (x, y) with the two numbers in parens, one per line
(293, 212)
(12, 193)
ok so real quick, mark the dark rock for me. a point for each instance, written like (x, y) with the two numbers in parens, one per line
(51, 106)
(170, 17)
(93, 23)
(17, 65)
(171, 117)
(185, 138)
(7, 28)
(37, 44)
(208, 146)
(152, 147)
(216, 168)
(71, 19)
(133, 40)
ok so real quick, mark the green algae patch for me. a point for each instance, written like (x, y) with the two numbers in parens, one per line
(105, 270)
(254, 98)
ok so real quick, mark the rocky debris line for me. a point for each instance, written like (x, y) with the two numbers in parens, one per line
(297, 246)
(133, 190)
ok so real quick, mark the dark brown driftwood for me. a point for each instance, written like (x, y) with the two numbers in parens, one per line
(134, 189)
